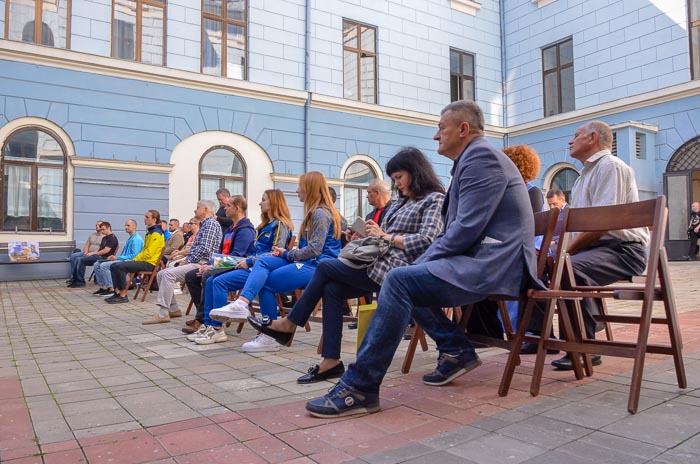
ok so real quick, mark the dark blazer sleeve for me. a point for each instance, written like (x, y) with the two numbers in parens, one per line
(477, 198)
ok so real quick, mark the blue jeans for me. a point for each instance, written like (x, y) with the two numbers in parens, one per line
(272, 275)
(81, 264)
(103, 276)
(217, 288)
(74, 261)
(335, 282)
(407, 291)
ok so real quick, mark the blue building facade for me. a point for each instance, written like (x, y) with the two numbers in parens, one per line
(112, 107)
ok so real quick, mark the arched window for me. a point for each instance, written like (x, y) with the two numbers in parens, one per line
(138, 30)
(44, 22)
(33, 166)
(564, 181)
(224, 38)
(221, 167)
(357, 178)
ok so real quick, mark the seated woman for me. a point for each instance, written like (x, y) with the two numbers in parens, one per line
(275, 229)
(288, 270)
(410, 225)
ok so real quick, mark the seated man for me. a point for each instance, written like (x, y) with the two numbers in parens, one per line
(205, 243)
(238, 240)
(133, 247)
(166, 232)
(108, 247)
(144, 261)
(175, 241)
(186, 231)
(478, 235)
(92, 243)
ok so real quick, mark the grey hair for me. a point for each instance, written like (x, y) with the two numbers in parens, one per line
(605, 135)
(210, 205)
(223, 191)
(467, 111)
(381, 186)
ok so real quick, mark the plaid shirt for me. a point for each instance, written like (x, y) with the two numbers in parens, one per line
(418, 222)
(207, 241)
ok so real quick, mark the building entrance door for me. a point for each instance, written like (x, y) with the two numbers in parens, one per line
(682, 187)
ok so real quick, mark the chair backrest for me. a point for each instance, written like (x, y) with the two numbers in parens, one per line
(545, 224)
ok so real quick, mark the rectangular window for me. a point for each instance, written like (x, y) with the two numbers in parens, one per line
(558, 77)
(44, 22)
(224, 38)
(359, 62)
(138, 31)
(461, 75)
(694, 32)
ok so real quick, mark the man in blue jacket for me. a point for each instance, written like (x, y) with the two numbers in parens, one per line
(486, 248)
(133, 246)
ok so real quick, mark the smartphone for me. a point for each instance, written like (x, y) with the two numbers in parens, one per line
(359, 226)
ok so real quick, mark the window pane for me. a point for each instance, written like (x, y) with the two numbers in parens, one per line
(694, 10)
(54, 26)
(564, 179)
(566, 52)
(695, 45)
(234, 186)
(567, 89)
(211, 38)
(222, 162)
(152, 34)
(367, 39)
(467, 65)
(359, 174)
(349, 35)
(351, 203)
(50, 198)
(551, 94)
(214, 7)
(22, 146)
(350, 75)
(467, 89)
(17, 193)
(208, 189)
(367, 79)
(454, 61)
(235, 9)
(235, 52)
(454, 88)
(549, 58)
(48, 149)
(21, 20)
(124, 29)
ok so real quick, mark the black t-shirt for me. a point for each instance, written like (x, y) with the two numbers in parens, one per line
(109, 241)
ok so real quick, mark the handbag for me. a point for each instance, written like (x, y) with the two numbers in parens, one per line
(363, 252)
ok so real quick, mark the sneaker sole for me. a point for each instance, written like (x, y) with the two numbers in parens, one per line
(224, 318)
(210, 342)
(264, 350)
(350, 412)
(470, 367)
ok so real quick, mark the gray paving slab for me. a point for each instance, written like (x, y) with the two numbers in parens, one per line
(496, 449)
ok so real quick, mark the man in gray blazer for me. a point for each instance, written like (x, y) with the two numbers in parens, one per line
(486, 248)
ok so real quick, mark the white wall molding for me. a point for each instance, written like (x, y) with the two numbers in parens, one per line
(653, 128)
(465, 6)
(553, 171)
(120, 165)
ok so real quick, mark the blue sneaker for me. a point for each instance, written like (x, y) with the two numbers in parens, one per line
(450, 367)
(341, 401)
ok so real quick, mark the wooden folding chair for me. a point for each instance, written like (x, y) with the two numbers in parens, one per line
(146, 278)
(656, 287)
(545, 225)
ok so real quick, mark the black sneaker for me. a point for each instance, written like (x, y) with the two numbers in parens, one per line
(450, 367)
(114, 295)
(102, 291)
(341, 401)
(117, 299)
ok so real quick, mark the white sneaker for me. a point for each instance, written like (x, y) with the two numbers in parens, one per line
(177, 291)
(237, 310)
(211, 335)
(260, 344)
(198, 333)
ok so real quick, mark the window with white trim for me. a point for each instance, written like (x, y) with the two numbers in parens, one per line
(357, 178)
(221, 167)
(43, 22)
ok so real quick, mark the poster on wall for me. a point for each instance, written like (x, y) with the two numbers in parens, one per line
(23, 251)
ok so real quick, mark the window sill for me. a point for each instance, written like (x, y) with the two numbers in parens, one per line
(27, 232)
(465, 6)
(541, 3)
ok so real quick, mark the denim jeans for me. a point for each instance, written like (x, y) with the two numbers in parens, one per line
(407, 291)
(272, 275)
(74, 261)
(216, 292)
(335, 282)
(103, 275)
(81, 264)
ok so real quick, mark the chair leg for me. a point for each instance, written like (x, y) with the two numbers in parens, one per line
(542, 348)
(639, 356)
(569, 334)
(514, 354)
(411, 351)
(189, 307)
(608, 327)
(672, 319)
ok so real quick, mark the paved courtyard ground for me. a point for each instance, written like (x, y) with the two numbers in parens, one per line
(82, 381)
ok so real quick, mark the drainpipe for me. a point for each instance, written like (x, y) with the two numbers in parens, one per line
(504, 87)
(307, 88)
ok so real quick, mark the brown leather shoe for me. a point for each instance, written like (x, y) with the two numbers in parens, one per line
(188, 329)
(191, 322)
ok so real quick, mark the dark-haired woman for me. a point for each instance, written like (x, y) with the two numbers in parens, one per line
(410, 225)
